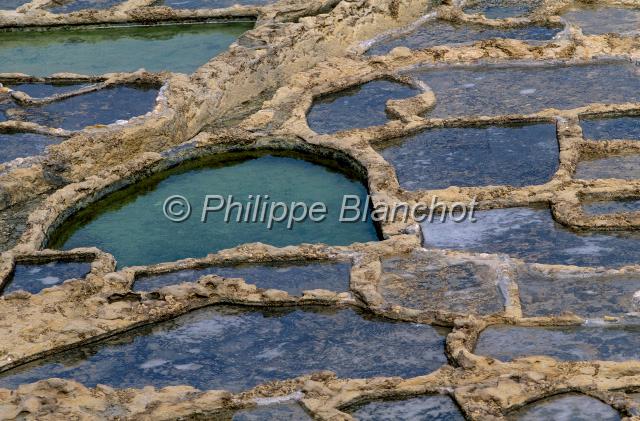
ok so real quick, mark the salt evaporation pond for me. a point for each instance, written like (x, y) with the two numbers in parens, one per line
(523, 88)
(613, 206)
(532, 235)
(566, 407)
(611, 128)
(35, 277)
(429, 407)
(238, 348)
(131, 225)
(624, 167)
(292, 277)
(474, 156)
(22, 145)
(600, 19)
(69, 6)
(440, 32)
(499, 9)
(213, 4)
(176, 48)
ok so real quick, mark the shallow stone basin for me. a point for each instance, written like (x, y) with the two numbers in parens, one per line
(104, 106)
(293, 277)
(238, 348)
(495, 89)
(177, 48)
(498, 9)
(566, 407)
(12, 4)
(35, 277)
(532, 235)
(425, 281)
(441, 32)
(573, 343)
(600, 19)
(624, 167)
(22, 145)
(611, 128)
(475, 156)
(358, 107)
(430, 407)
(588, 296)
(136, 213)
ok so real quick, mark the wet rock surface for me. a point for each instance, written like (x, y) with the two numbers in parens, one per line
(532, 234)
(427, 282)
(360, 106)
(567, 407)
(235, 349)
(293, 277)
(22, 145)
(625, 167)
(611, 128)
(598, 19)
(441, 32)
(494, 155)
(588, 296)
(419, 408)
(494, 89)
(498, 9)
(35, 277)
(574, 343)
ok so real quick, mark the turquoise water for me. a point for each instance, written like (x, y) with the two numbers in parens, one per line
(131, 225)
(176, 48)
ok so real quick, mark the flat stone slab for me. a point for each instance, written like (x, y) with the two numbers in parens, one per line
(572, 343)
(611, 128)
(358, 107)
(624, 167)
(531, 234)
(35, 277)
(293, 277)
(495, 155)
(425, 281)
(441, 32)
(430, 407)
(499, 9)
(588, 296)
(600, 19)
(176, 48)
(566, 407)
(235, 349)
(497, 89)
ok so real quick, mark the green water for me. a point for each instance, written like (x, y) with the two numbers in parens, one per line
(176, 48)
(131, 225)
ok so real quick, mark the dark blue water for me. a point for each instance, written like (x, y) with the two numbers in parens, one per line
(22, 145)
(611, 128)
(430, 407)
(494, 155)
(35, 277)
(238, 348)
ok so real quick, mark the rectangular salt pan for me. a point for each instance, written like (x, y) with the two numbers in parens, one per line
(176, 48)
(573, 343)
(524, 89)
(238, 348)
(531, 234)
(495, 155)
(35, 277)
(624, 167)
(613, 206)
(625, 128)
(588, 296)
(598, 20)
(293, 277)
(23, 145)
(440, 32)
